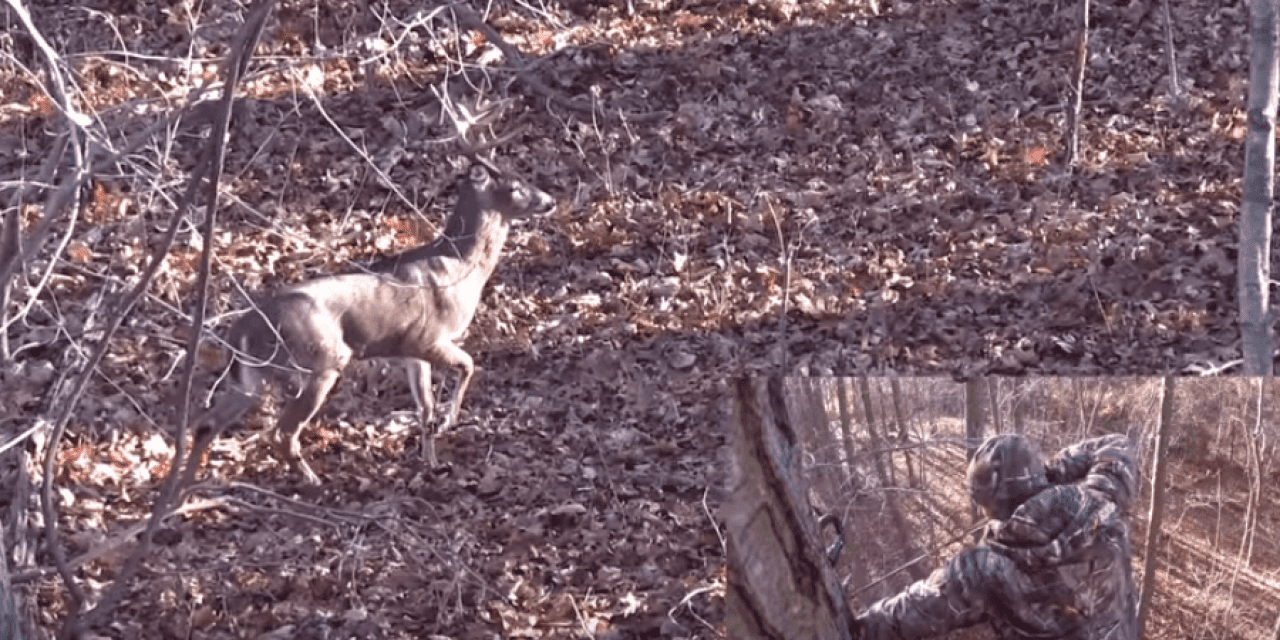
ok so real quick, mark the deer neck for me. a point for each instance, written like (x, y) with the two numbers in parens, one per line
(476, 240)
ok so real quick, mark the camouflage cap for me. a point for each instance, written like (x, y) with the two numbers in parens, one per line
(1004, 472)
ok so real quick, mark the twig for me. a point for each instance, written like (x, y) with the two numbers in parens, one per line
(11, 244)
(284, 512)
(786, 284)
(56, 203)
(711, 518)
(1215, 370)
(685, 601)
(582, 620)
(18, 439)
(343, 513)
(468, 18)
(75, 122)
(385, 179)
(382, 523)
(1101, 310)
(118, 540)
(1080, 64)
(1175, 85)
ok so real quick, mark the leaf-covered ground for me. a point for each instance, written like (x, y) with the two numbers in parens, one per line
(904, 157)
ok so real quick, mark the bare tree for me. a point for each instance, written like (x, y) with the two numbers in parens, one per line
(895, 388)
(993, 393)
(893, 506)
(1019, 407)
(807, 401)
(1157, 504)
(864, 386)
(80, 621)
(846, 427)
(853, 480)
(972, 416)
(1254, 448)
(1255, 208)
(972, 427)
(1250, 525)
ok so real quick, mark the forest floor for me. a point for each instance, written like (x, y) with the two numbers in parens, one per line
(808, 187)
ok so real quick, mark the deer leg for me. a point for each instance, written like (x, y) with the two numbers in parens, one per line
(420, 384)
(298, 412)
(450, 355)
(230, 407)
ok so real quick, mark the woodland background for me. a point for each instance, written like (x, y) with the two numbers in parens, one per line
(888, 458)
(746, 187)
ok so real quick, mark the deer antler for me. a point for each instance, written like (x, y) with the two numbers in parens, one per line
(467, 120)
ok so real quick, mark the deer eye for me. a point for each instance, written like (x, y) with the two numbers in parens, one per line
(520, 195)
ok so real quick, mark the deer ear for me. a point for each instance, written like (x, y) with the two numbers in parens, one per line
(478, 174)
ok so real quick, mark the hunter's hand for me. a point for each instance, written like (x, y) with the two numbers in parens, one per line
(858, 630)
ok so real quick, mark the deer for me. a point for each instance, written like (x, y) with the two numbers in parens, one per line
(414, 307)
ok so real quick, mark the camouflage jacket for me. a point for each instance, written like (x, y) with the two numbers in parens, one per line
(1059, 567)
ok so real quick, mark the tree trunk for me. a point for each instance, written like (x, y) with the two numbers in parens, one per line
(1156, 514)
(1254, 259)
(972, 427)
(895, 388)
(993, 401)
(781, 584)
(852, 475)
(1255, 486)
(869, 415)
(1019, 408)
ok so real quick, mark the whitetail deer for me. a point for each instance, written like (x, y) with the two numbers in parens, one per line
(413, 306)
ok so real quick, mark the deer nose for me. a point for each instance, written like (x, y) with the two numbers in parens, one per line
(544, 203)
